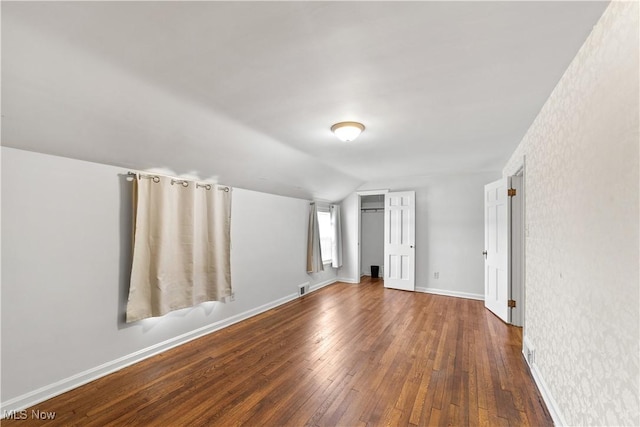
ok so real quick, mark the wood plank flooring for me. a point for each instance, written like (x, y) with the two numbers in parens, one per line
(346, 355)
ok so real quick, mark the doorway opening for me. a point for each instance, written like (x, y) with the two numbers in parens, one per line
(371, 232)
(372, 236)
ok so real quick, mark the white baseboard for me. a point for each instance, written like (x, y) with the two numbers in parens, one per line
(449, 293)
(552, 405)
(347, 280)
(47, 392)
(322, 284)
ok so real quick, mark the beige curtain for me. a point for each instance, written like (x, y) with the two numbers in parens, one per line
(336, 237)
(181, 251)
(314, 255)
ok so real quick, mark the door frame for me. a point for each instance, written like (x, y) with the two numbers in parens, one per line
(518, 250)
(381, 192)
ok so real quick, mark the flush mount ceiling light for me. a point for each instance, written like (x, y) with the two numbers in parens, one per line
(347, 131)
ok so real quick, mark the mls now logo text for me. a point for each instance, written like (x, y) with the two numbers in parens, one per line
(35, 414)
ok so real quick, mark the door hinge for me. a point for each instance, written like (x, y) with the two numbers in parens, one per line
(511, 303)
(511, 192)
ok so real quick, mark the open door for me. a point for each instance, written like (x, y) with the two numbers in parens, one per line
(399, 240)
(497, 251)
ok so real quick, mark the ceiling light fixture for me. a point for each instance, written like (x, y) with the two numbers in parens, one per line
(347, 131)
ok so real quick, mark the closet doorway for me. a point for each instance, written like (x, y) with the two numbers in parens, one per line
(372, 235)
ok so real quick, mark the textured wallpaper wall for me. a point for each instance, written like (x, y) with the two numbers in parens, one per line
(582, 256)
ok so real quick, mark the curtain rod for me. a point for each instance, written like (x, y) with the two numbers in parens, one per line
(184, 182)
(330, 205)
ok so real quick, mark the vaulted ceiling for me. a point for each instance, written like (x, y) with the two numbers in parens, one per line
(245, 92)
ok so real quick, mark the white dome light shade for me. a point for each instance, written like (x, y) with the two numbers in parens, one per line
(347, 131)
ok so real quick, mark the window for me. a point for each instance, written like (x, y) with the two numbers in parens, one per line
(324, 224)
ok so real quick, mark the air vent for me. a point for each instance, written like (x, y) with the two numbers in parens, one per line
(529, 352)
(303, 289)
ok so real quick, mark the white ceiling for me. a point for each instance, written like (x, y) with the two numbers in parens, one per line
(245, 92)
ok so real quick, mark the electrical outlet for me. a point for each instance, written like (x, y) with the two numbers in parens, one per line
(231, 297)
(436, 275)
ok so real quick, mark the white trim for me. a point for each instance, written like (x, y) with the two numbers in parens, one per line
(347, 280)
(322, 284)
(552, 405)
(47, 392)
(449, 293)
(371, 192)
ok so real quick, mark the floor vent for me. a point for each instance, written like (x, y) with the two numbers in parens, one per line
(531, 357)
(529, 352)
(303, 289)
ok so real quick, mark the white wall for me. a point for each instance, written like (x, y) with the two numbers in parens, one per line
(449, 230)
(582, 194)
(65, 257)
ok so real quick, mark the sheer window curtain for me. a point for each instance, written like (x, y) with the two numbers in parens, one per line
(314, 254)
(336, 237)
(181, 250)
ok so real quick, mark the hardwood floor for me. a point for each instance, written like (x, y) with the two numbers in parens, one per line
(346, 355)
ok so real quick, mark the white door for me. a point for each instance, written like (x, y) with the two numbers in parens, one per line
(496, 253)
(399, 240)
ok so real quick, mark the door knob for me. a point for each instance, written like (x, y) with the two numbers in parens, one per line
(485, 254)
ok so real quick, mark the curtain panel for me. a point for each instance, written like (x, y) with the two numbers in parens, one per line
(314, 254)
(336, 237)
(181, 249)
